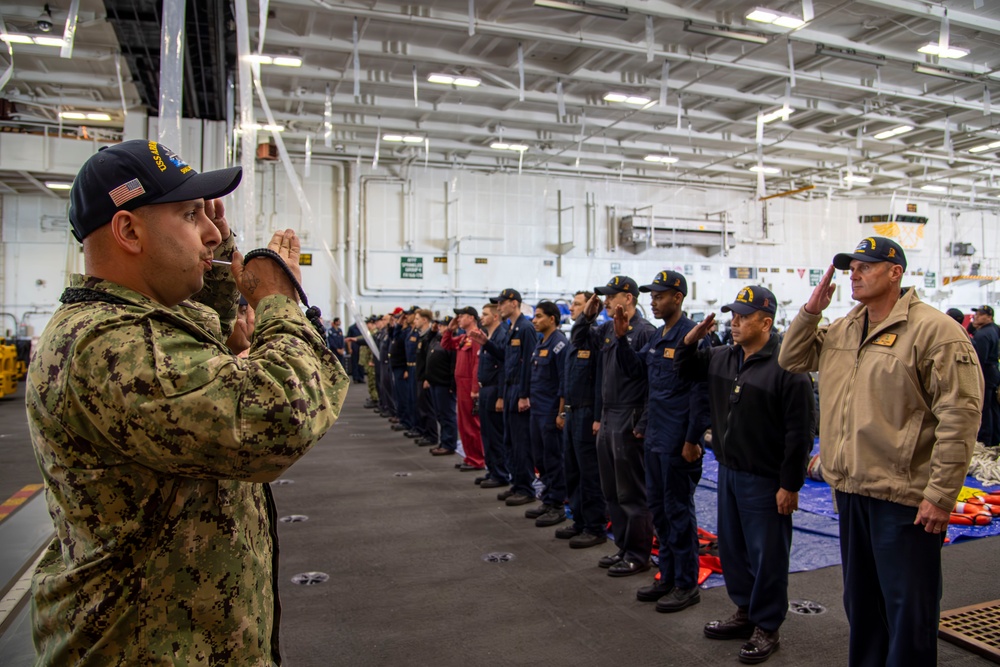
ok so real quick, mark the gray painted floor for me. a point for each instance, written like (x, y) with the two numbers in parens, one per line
(408, 585)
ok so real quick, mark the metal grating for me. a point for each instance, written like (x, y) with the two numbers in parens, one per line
(975, 628)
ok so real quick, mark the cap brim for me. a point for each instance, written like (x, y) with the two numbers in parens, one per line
(654, 288)
(604, 290)
(494, 300)
(209, 185)
(739, 308)
(843, 260)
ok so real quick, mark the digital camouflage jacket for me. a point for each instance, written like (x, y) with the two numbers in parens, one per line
(155, 444)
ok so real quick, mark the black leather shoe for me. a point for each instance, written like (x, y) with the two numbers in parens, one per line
(491, 483)
(678, 599)
(567, 532)
(536, 512)
(425, 442)
(737, 626)
(653, 592)
(503, 495)
(553, 516)
(465, 467)
(412, 434)
(760, 647)
(442, 451)
(585, 540)
(608, 561)
(399, 427)
(516, 499)
(626, 568)
(480, 480)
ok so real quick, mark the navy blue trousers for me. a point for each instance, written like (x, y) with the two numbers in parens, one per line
(583, 479)
(446, 414)
(517, 444)
(491, 429)
(401, 392)
(892, 583)
(670, 483)
(386, 395)
(989, 428)
(426, 420)
(623, 481)
(754, 541)
(547, 454)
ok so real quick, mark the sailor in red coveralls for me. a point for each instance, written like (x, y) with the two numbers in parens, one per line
(466, 384)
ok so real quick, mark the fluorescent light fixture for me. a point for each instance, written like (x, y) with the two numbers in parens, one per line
(50, 41)
(17, 39)
(454, 80)
(894, 132)
(260, 59)
(985, 147)
(727, 33)
(783, 113)
(72, 115)
(501, 146)
(780, 19)
(934, 49)
(403, 138)
(850, 54)
(627, 99)
(581, 7)
(765, 170)
(857, 178)
(945, 74)
(53, 185)
(665, 159)
(287, 61)
(933, 188)
(98, 116)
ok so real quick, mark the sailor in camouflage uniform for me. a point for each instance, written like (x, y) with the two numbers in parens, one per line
(155, 441)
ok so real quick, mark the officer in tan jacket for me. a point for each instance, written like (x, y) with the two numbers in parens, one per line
(900, 395)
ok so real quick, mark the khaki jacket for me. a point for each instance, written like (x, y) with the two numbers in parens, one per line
(899, 411)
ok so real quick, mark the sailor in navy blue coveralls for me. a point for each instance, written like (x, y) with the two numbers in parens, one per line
(582, 405)
(547, 363)
(491, 420)
(676, 416)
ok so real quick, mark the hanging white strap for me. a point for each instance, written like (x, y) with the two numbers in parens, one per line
(9, 72)
(760, 128)
(328, 118)
(427, 150)
(520, 71)
(791, 65)
(860, 138)
(680, 110)
(472, 17)
(945, 35)
(309, 156)
(947, 139)
(579, 143)
(69, 33)
(650, 37)
(664, 83)
(807, 11)
(262, 30)
(986, 101)
(416, 101)
(378, 143)
(357, 63)
(560, 100)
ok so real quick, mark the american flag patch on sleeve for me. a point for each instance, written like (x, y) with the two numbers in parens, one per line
(128, 191)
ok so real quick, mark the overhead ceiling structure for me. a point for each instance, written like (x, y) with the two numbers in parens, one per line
(696, 92)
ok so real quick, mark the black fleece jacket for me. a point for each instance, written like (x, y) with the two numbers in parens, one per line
(762, 415)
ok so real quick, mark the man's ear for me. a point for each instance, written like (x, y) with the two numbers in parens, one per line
(896, 273)
(125, 227)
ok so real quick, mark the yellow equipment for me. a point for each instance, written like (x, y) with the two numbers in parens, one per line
(11, 369)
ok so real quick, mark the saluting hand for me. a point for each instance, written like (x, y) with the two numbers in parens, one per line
(700, 330)
(621, 322)
(593, 306)
(823, 294)
(216, 212)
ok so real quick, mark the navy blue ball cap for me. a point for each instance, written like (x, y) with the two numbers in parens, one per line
(751, 299)
(506, 295)
(665, 280)
(872, 249)
(617, 285)
(137, 173)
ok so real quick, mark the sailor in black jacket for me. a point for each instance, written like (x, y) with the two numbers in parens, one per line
(761, 435)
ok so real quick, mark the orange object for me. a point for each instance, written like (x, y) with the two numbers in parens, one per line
(981, 519)
(992, 498)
